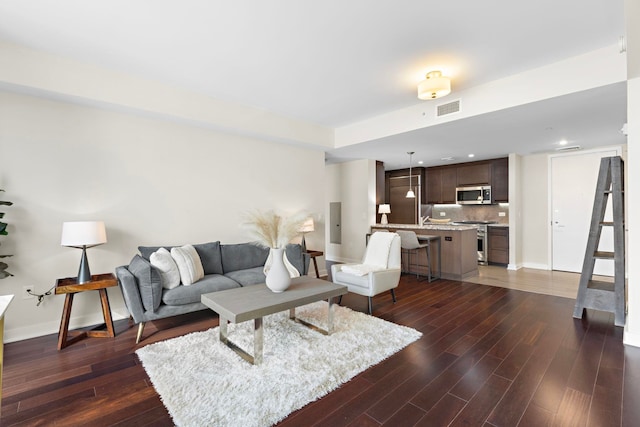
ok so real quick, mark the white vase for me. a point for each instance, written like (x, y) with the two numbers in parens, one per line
(278, 278)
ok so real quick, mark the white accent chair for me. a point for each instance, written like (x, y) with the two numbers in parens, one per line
(382, 277)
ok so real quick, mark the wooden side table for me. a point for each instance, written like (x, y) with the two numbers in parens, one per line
(70, 287)
(313, 255)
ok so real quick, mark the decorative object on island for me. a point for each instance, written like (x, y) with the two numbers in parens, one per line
(435, 85)
(410, 193)
(275, 232)
(83, 235)
(384, 209)
(307, 227)
(3, 232)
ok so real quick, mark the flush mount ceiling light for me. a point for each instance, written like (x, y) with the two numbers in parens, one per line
(435, 85)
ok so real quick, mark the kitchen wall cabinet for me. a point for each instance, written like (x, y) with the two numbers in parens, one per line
(498, 245)
(474, 174)
(500, 180)
(441, 185)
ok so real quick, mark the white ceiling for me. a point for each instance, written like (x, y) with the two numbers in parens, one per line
(335, 62)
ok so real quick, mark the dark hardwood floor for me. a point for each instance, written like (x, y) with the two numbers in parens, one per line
(489, 356)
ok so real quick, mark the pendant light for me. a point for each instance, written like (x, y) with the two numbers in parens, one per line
(410, 193)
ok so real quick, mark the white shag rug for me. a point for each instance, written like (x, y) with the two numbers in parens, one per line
(204, 383)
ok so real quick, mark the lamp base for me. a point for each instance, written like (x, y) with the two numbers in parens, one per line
(84, 274)
(384, 220)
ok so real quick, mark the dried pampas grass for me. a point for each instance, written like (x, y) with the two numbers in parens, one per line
(271, 230)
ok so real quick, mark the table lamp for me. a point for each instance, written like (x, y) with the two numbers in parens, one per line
(306, 227)
(384, 210)
(83, 235)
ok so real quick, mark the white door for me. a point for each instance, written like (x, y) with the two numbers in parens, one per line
(573, 185)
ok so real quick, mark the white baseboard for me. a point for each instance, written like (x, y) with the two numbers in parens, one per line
(514, 267)
(53, 327)
(535, 266)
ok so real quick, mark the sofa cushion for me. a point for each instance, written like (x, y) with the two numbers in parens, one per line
(210, 257)
(189, 264)
(167, 267)
(249, 276)
(149, 282)
(242, 256)
(146, 251)
(295, 257)
(190, 294)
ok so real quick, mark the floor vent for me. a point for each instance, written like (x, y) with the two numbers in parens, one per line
(449, 108)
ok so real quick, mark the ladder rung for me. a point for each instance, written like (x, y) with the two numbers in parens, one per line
(607, 223)
(603, 255)
(601, 285)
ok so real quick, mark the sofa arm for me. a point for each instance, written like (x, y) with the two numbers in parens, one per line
(131, 293)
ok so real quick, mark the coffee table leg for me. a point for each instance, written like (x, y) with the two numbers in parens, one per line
(258, 341)
(223, 330)
(330, 317)
(292, 313)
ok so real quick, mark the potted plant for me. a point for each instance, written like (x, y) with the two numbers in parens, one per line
(3, 232)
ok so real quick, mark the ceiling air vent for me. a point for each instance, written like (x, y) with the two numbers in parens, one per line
(449, 108)
(569, 148)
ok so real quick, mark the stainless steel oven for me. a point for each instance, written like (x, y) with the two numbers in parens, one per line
(483, 240)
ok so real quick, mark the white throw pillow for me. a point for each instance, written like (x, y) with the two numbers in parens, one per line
(189, 264)
(169, 273)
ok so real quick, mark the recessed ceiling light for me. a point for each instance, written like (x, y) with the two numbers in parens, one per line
(563, 142)
(420, 162)
(471, 155)
(446, 158)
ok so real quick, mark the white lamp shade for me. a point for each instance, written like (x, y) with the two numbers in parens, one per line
(435, 85)
(411, 194)
(83, 233)
(384, 209)
(307, 226)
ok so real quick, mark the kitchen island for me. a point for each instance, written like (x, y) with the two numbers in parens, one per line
(459, 244)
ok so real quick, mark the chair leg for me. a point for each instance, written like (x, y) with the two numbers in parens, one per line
(140, 330)
(371, 305)
(393, 295)
(340, 299)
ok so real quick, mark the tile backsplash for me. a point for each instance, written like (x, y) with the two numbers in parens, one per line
(475, 213)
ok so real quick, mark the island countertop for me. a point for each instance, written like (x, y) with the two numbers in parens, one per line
(430, 226)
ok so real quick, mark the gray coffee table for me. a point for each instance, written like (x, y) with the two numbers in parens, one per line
(255, 302)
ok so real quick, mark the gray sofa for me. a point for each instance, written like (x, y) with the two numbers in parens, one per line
(225, 267)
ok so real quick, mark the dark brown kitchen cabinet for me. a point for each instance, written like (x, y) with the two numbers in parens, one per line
(441, 185)
(434, 185)
(500, 180)
(403, 210)
(474, 174)
(449, 181)
(498, 245)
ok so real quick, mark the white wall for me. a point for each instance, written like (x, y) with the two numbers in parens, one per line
(632, 167)
(352, 184)
(151, 181)
(535, 207)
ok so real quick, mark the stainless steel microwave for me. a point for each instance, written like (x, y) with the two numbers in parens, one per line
(480, 195)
